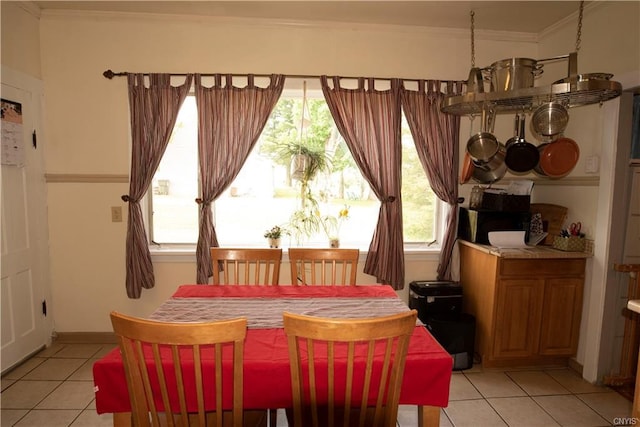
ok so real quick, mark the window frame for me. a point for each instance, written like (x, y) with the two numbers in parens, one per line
(185, 252)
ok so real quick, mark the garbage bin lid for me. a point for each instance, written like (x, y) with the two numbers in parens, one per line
(434, 288)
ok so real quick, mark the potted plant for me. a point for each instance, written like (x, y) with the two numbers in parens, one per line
(274, 235)
(331, 226)
(305, 222)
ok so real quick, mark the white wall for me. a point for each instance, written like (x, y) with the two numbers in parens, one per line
(21, 37)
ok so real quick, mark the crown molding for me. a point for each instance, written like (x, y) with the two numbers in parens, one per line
(54, 14)
(570, 19)
(28, 6)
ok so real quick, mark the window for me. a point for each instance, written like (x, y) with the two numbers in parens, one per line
(267, 192)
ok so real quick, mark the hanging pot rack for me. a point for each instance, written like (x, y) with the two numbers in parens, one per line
(573, 91)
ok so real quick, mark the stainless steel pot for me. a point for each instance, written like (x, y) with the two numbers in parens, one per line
(550, 119)
(483, 145)
(581, 78)
(492, 171)
(513, 73)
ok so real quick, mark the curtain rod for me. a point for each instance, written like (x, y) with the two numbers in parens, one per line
(110, 75)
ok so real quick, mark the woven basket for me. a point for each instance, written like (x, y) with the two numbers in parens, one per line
(570, 244)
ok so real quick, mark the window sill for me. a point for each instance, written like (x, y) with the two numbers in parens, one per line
(187, 253)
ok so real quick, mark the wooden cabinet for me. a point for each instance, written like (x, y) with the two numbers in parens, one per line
(527, 310)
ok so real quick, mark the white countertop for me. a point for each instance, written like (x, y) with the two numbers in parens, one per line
(532, 252)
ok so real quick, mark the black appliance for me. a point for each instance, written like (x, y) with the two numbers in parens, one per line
(474, 226)
(435, 297)
(439, 306)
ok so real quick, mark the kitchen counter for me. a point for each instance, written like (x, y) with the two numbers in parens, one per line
(527, 303)
(530, 252)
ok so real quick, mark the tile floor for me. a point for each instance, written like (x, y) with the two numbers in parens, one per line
(55, 388)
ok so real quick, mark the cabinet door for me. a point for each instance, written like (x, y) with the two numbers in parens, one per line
(562, 309)
(518, 312)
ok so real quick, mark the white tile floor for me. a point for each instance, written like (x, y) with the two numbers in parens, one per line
(55, 388)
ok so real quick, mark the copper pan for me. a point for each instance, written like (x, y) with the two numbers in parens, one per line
(559, 157)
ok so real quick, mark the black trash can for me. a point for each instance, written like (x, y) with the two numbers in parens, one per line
(439, 306)
(435, 297)
(456, 333)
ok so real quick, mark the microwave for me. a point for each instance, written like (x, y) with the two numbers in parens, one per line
(474, 226)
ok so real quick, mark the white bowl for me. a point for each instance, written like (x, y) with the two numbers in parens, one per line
(507, 239)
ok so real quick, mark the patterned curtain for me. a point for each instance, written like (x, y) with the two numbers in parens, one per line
(230, 120)
(153, 110)
(369, 121)
(436, 136)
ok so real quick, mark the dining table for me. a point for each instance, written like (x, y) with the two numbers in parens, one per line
(267, 380)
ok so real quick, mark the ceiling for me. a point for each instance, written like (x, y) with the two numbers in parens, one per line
(520, 16)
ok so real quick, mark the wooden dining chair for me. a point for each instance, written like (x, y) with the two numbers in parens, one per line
(330, 266)
(347, 372)
(246, 266)
(167, 364)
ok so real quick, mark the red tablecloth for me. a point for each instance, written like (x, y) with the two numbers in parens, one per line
(267, 382)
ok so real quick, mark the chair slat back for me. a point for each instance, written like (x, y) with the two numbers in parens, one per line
(331, 266)
(347, 372)
(166, 364)
(246, 266)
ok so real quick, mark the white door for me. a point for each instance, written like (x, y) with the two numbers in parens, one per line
(24, 275)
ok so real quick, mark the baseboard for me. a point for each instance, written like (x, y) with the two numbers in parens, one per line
(574, 365)
(86, 338)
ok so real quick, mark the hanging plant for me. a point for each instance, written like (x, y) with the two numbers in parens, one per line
(306, 162)
(305, 221)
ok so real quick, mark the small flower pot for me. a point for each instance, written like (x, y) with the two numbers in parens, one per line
(274, 243)
(334, 243)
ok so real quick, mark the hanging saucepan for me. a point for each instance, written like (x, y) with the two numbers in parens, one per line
(521, 156)
(483, 145)
(492, 171)
(550, 119)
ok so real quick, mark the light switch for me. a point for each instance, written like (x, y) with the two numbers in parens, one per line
(116, 213)
(592, 164)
